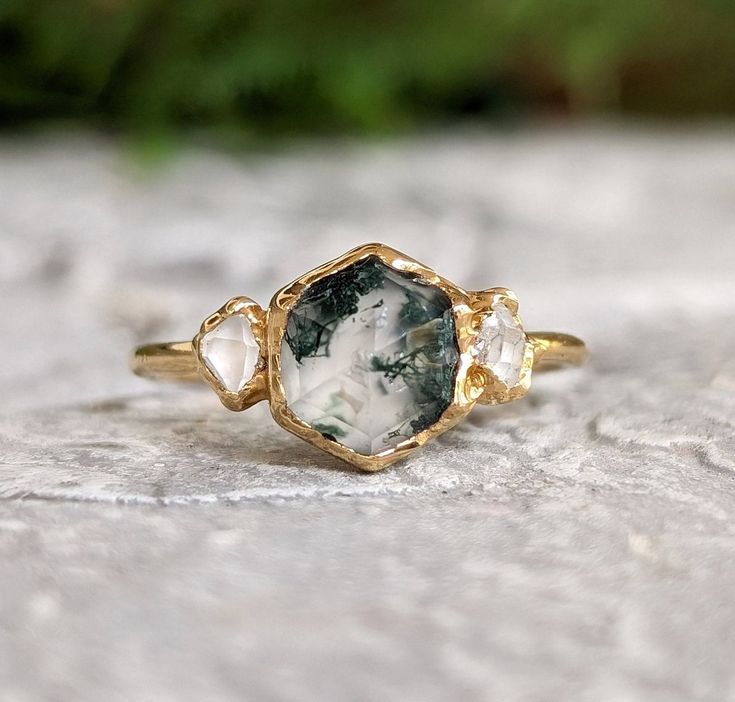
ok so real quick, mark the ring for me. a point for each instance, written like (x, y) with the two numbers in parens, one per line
(366, 357)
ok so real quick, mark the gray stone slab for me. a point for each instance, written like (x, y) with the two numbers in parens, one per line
(577, 545)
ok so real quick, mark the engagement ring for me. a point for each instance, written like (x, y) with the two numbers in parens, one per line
(366, 357)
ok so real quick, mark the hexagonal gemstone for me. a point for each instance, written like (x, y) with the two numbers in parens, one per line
(231, 352)
(369, 357)
(500, 345)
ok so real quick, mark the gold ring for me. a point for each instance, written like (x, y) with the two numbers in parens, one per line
(366, 357)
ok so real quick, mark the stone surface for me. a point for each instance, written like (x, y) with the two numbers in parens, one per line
(369, 356)
(501, 345)
(577, 545)
(231, 352)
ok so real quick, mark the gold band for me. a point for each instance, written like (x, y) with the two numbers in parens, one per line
(552, 350)
(177, 361)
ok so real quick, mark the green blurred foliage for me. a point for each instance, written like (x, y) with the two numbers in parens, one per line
(290, 66)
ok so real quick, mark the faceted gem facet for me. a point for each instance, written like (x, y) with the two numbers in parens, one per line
(501, 345)
(369, 356)
(231, 352)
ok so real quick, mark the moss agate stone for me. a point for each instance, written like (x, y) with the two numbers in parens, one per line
(369, 356)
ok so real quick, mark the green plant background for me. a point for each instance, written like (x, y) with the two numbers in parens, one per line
(323, 66)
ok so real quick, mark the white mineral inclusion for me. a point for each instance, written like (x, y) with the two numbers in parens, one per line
(231, 352)
(500, 345)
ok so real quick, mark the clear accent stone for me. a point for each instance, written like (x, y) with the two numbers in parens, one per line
(231, 352)
(501, 345)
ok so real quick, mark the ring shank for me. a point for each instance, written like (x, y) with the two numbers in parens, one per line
(552, 350)
(177, 361)
(174, 361)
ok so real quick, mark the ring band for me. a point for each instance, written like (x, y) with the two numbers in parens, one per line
(366, 357)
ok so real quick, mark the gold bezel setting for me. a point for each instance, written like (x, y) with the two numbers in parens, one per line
(464, 392)
(495, 391)
(255, 389)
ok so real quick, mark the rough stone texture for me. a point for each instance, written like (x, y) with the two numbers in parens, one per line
(578, 545)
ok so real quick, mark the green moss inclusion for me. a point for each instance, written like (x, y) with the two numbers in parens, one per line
(336, 299)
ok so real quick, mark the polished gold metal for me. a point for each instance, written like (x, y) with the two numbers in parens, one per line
(183, 361)
(175, 361)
